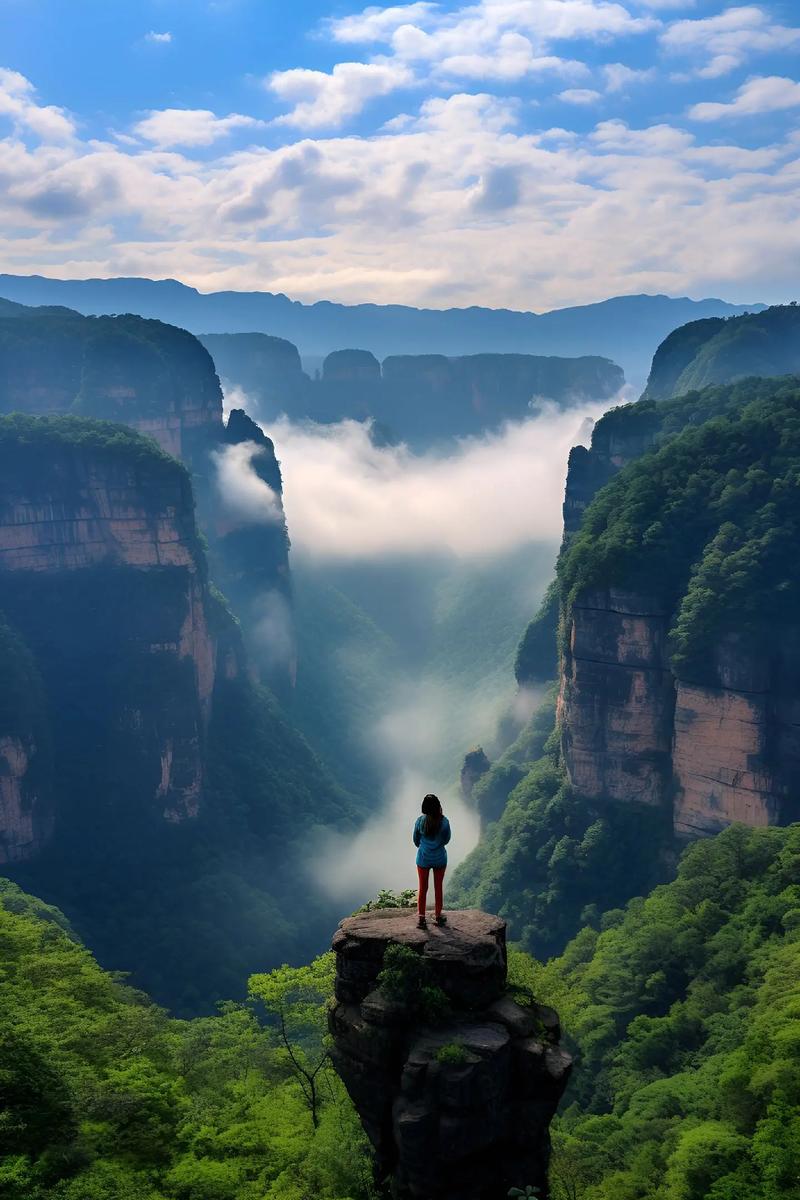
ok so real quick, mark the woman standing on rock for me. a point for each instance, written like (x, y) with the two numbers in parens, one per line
(431, 835)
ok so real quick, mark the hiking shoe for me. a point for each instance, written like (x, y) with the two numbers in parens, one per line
(422, 923)
(441, 919)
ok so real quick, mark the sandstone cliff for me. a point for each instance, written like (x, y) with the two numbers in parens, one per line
(418, 399)
(680, 666)
(104, 581)
(457, 1107)
(161, 381)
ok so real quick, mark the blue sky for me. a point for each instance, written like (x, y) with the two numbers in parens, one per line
(527, 153)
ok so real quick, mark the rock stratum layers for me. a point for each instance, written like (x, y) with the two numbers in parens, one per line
(632, 731)
(706, 728)
(160, 381)
(459, 1108)
(103, 580)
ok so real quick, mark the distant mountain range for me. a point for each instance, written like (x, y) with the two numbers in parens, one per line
(626, 329)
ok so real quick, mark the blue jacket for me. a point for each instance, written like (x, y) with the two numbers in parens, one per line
(431, 852)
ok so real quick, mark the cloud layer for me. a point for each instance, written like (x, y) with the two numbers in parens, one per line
(346, 498)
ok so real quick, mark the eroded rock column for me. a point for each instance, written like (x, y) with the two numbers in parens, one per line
(457, 1108)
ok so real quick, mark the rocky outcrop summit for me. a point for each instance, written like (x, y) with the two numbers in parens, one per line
(457, 1100)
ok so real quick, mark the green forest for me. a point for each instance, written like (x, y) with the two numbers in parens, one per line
(682, 1010)
(707, 522)
(103, 1096)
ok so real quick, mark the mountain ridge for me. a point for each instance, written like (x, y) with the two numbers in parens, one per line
(626, 329)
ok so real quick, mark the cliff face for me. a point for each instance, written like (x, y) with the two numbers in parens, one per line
(679, 674)
(153, 377)
(249, 549)
(617, 698)
(456, 1108)
(414, 398)
(633, 731)
(103, 579)
(161, 381)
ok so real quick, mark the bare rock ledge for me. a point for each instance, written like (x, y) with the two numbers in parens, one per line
(471, 1123)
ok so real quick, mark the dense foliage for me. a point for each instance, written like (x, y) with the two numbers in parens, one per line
(719, 350)
(684, 1013)
(709, 522)
(551, 861)
(107, 366)
(104, 1097)
(537, 654)
(25, 439)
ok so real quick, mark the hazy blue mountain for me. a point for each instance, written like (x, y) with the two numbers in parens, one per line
(626, 329)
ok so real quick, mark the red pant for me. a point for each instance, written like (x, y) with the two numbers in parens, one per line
(438, 887)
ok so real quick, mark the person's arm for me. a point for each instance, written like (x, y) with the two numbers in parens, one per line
(416, 833)
(445, 831)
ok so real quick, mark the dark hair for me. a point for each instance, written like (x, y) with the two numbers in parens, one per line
(432, 807)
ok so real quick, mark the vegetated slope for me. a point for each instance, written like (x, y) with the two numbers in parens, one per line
(148, 785)
(683, 1009)
(719, 350)
(626, 329)
(706, 521)
(104, 1097)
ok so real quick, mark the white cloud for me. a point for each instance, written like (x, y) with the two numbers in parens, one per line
(348, 499)
(579, 96)
(728, 39)
(17, 102)
(245, 496)
(762, 94)
(158, 39)
(190, 126)
(457, 204)
(430, 32)
(512, 57)
(661, 140)
(463, 113)
(492, 39)
(326, 99)
(619, 77)
(377, 24)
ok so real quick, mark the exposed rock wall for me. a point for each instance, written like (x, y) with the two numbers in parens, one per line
(160, 381)
(457, 1110)
(617, 699)
(102, 576)
(712, 753)
(26, 810)
(414, 398)
(153, 377)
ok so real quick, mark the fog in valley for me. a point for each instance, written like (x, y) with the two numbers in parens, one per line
(414, 577)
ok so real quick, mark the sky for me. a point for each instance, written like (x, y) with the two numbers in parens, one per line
(528, 154)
